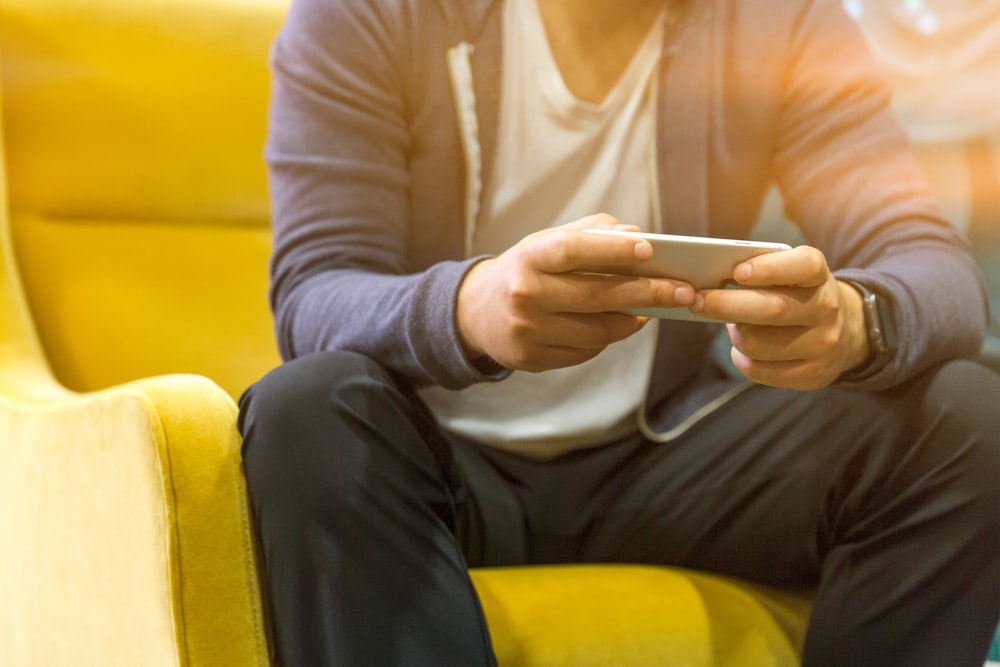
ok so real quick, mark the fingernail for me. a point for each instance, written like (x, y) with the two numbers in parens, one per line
(742, 272)
(699, 303)
(684, 296)
(643, 250)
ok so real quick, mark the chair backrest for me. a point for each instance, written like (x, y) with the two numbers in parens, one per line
(23, 369)
(139, 214)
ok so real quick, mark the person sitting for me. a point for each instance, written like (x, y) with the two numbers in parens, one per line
(462, 388)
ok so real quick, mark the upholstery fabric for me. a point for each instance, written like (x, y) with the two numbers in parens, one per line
(138, 194)
(614, 615)
(127, 525)
(68, 451)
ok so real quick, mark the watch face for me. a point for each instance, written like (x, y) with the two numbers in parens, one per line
(880, 330)
(887, 331)
(873, 323)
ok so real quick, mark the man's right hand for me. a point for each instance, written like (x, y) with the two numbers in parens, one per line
(536, 307)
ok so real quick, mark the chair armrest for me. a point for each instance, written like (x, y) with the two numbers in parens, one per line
(125, 522)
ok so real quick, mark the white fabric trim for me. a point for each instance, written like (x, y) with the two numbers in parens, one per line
(697, 416)
(460, 71)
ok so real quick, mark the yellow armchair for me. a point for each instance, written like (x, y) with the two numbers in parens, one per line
(123, 513)
(133, 246)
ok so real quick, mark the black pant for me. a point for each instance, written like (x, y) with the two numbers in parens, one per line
(368, 516)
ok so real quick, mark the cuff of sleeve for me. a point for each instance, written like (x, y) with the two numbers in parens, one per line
(487, 365)
(448, 365)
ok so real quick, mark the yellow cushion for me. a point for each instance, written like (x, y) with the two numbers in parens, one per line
(118, 300)
(138, 109)
(636, 616)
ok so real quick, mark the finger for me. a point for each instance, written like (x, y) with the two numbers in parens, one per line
(803, 375)
(803, 266)
(590, 331)
(565, 340)
(773, 306)
(600, 221)
(767, 343)
(596, 221)
(564, 249)
(598, 293)
(771, 373)
(554, 357)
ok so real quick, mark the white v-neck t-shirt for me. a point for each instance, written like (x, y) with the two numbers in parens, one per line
(559, 159)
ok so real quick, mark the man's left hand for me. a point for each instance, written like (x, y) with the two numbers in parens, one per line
(793, 325)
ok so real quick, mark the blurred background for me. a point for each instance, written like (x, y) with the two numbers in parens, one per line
(942, 58)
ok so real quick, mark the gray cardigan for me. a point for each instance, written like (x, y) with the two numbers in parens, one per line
(369, 178)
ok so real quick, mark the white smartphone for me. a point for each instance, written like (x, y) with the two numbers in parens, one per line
(703, 262)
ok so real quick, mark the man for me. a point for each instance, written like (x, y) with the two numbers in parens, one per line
(461, 391)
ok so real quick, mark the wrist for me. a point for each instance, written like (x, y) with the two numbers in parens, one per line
(858, 350)
(467, 318)
(878, 330)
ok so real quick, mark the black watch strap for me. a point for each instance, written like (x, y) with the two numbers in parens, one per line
(880, 330)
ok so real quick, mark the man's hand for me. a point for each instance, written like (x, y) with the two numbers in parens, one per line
(536, 307)
(802, 329)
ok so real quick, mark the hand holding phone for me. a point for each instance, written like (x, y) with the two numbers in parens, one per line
(702, 262)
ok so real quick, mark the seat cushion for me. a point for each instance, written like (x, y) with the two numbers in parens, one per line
(631, 615)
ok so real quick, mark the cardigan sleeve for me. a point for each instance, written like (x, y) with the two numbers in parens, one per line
(849, 180)
(338, 151)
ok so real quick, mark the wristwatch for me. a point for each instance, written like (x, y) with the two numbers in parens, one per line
(881, 332)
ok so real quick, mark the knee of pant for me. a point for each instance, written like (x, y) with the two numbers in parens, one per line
(292, 417)
(964, 399)
(303, 390)
(962, 406)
